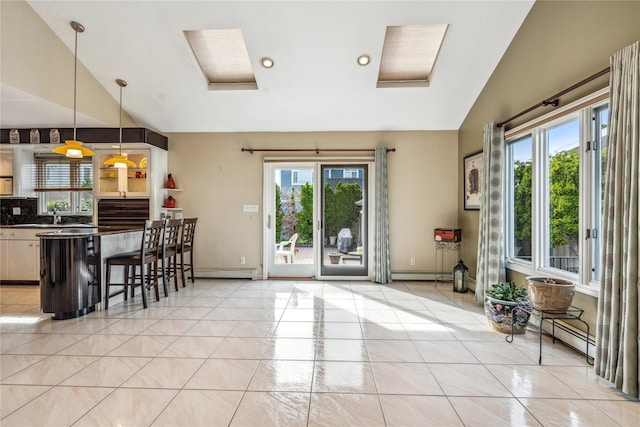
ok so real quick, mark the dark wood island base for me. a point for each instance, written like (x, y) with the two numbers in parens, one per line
(71, 269)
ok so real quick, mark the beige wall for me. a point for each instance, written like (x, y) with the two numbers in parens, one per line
(217, 179)
(36, 61)
(559, 44)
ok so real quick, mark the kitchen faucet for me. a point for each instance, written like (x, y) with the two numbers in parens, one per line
(56, 217)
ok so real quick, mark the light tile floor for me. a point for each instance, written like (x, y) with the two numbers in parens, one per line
(243, 353)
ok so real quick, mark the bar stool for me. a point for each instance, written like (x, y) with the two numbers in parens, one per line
(170, 243)
(186, 247)
(146, 258)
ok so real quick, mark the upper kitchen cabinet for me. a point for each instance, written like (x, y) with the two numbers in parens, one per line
(129, 182)
(138, 143)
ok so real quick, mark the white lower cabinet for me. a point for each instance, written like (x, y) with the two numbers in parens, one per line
(4, 259)
(20, 254)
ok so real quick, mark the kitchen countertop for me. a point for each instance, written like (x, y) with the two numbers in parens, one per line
(49, 225)
(71, 233)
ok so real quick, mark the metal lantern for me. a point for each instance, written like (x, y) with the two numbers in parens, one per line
(460, 278)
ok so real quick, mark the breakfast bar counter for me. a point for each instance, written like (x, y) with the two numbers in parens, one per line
(71, 267)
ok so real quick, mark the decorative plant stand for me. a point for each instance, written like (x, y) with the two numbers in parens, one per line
(441, 248)
(551, 315)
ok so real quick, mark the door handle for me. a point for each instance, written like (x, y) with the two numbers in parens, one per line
(268, 222)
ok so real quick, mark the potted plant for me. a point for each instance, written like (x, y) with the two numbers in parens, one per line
(547, 293)
(500, 305)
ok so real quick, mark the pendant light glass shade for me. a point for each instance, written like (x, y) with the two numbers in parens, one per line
(73, 148)
(120, 161)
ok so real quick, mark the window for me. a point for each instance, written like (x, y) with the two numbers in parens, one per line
(223, 58)
(598, 163)
(554, 193)
(301, 177)
(562, 192)
(521, 191)
(351, 173)
(409, 54)
(64, 184)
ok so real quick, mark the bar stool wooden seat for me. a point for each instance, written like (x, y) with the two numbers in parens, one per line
(146, 258)
(186, 247)
(170, 242)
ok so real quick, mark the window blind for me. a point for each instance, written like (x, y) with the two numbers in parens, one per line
(58, 173)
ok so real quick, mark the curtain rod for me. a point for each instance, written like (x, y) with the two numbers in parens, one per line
(315, 150)
(553, 100)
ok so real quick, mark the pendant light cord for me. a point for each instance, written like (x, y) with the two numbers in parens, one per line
(120, 119)
(78, 28)
(122, 84)
(75, 83)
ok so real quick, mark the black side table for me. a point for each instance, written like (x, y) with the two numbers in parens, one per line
(551, 315)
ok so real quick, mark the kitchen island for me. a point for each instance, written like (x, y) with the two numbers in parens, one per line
(72, 281)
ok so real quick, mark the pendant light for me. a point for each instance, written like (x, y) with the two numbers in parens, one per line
(120, 161)
(73, 148)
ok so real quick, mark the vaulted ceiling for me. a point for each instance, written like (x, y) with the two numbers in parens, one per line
(316, 83)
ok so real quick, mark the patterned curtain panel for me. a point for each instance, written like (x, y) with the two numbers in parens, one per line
(490, 241)
(617, 328)
(381, 259)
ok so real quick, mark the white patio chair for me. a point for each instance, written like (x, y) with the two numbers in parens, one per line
(287, 249)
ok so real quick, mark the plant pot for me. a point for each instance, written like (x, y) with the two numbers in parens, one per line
(335, 258)
(332, 240)
(546, 293)
(501, 314)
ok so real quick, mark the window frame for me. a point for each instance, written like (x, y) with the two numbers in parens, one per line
(75, 195)
(585, 111)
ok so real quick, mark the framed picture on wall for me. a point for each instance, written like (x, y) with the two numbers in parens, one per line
(472, 181)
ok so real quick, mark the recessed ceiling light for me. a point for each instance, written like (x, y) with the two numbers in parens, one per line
(363, 60)
(266, 62)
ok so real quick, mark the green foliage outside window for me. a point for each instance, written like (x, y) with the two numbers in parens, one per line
(279, 213)
(59, 205)
(340, 206)
(346, 197)
(330, 211)
(563, 199)
(305, 215)
(522, 180)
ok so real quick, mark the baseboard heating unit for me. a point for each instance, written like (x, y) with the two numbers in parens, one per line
(567, 334)
(227, 273)
(415, 275)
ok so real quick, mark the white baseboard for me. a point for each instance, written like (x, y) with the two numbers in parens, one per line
(227, 273)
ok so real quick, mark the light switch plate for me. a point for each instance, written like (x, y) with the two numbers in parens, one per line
(249, 208)
(16, 210)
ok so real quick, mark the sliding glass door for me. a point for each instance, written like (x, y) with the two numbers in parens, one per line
(316, 220)
(344, 220)
(290, 232)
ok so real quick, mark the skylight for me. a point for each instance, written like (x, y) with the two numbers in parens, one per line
(409, 54)
(223, 58)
